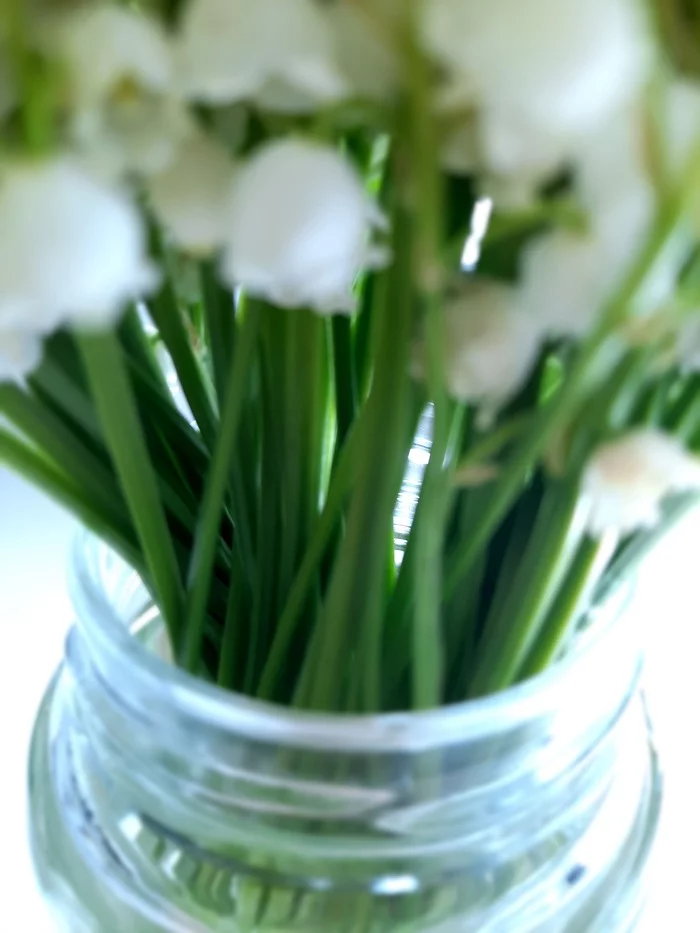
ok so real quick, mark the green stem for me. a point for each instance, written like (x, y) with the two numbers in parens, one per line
(514, 623)
(567, 608)
(168, 318)
(341, 484)
(356, 592)
(116, 405)
(219, 312)
(344, 376)
(207, 533)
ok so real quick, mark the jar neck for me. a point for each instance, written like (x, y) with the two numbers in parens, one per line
(471, 782)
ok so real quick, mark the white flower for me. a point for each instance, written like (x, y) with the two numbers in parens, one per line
(567, 276)
(565, 280)
(490, 343)
(299, 227)
(72, 247)
(279, 52)
(364, 49)
(682, 114)
(20, 353)
(558, 66)
(627, 480)
(121, 84)
(190, 196)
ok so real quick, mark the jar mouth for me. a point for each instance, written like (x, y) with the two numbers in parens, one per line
(110, 601)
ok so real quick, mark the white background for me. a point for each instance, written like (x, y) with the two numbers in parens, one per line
(35, 613)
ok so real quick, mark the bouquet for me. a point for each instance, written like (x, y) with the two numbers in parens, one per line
(367, 331)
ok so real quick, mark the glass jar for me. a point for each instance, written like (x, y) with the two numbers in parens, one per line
(159, 802)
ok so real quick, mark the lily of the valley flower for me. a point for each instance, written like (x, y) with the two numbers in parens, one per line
(367, 49)
(566, 277)
(278, 52)
(299, 227)
(547, 69)
(119, 65)
(20, 353)
(626, 480)
(72, 247)
(190, 196)
(490, 343)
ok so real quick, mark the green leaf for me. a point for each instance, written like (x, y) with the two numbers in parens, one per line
(114, 399)
(208, 527)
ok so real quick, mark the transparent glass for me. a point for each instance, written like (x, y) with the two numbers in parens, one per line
(161, 803)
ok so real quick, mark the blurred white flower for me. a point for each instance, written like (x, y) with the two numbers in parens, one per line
(121, 84)
(279, 52)
(567, 276)
(299, 227)
(490, 343)
(511, 162)
(564, 282)
(72, 247)
(364, 50)
(625, 482)
(682, 115)
(615, 186)
(20, 354)
(512, 144)
(189, 197)
(555, 67)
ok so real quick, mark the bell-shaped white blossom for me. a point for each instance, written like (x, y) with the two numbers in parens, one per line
(490, 343)
(567, 275)
(300, 226)
(72, 247)
(279, 52)
(626, 480)
(366, 48)
(554, 66)
(20, 354)
(564, 282)
(120, 71)
(190, 196)
(682, 116)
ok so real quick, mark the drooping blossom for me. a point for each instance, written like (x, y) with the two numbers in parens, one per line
(626, 480)
(189, 197)
(278, 52)
(124, 113)
(73, 247)
(490, 343)
(300, 226)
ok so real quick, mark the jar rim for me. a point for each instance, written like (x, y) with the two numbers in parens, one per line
(604, 646)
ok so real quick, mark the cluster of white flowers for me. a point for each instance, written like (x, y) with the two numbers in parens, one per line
(522, 91)
(292, 222)
(540, 76)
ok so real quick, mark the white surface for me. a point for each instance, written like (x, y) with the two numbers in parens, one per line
(35, 613)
